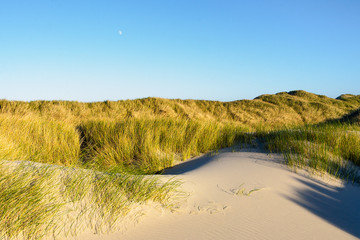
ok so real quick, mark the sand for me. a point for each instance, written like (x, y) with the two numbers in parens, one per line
(222, 205)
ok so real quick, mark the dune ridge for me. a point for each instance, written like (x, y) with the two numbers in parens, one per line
(119, 142)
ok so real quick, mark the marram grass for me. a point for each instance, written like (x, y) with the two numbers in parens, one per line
(38, 200)
(99, 147)
(330, 147)
(41, 200)
(133, 145)
(285, 108)
(39, 140)
(148, 146)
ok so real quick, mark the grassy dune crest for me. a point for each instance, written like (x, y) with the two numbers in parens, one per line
(285, 108)
(146, 135)
(147, 146)
(69, 166)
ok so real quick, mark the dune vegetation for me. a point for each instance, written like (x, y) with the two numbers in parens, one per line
(332, 147)
(40, 200)
(146, 135)
(50, 148)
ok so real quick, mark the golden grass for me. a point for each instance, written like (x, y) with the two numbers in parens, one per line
(148, 146)
(38, 200)
(331, 147)
(114, 139)
(146, 135)
(296, 107)
(39, 140)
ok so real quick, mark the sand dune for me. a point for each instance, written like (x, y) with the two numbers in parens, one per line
(251, 195)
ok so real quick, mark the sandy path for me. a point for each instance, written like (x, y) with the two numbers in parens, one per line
(287, 206)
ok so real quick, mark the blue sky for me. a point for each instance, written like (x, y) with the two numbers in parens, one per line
(216, 50)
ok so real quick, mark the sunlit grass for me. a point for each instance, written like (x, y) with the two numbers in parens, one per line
(148, 146)
(39, 140)
(101, 149)
(295, 107)
(332, 147)
(39, 201)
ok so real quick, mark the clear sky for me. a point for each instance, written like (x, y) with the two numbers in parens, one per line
(200, 49)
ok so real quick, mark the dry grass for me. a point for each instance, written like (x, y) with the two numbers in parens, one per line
(113, 139)
(146, 135)
(38, 200)
(331, 147)
(39, 140)
(296, 107)
(148, 146)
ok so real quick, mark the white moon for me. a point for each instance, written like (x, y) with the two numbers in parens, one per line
(120, 32)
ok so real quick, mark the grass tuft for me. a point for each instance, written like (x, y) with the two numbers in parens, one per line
(331, 147)
(148, 146)
(39, 200)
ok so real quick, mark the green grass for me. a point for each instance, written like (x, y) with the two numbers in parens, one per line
(39, 201)
(148, 146)
(133, 145)
(295, 107)
(101, 150)
(330, 147)
(39, 140)
(146, 135)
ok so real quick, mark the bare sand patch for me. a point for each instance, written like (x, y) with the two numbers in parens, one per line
(251, 195)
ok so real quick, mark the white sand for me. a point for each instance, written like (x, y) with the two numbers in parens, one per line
(287, 206)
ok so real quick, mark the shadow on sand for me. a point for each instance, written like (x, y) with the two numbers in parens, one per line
(189, 165)
(198, 162)
(340, 206)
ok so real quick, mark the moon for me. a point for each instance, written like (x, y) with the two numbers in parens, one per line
(120, 32)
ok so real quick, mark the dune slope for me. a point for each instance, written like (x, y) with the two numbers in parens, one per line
(251, 195)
